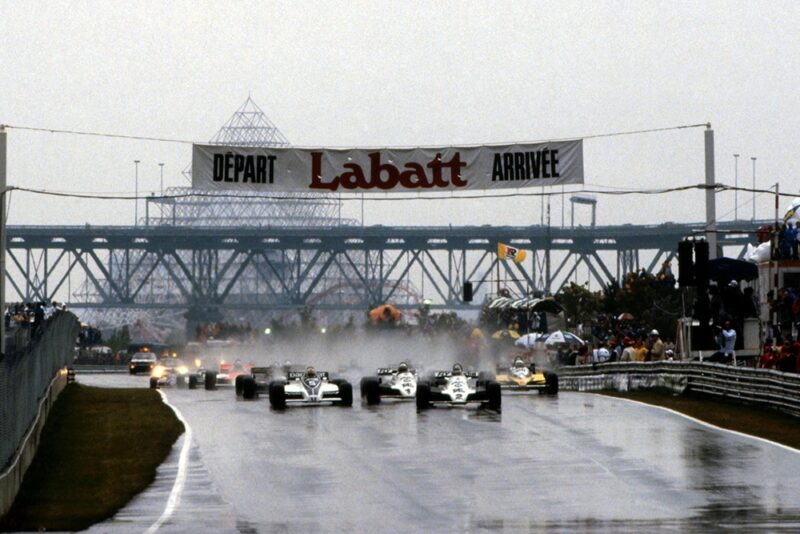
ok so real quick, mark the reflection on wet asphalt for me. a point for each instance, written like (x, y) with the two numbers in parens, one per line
(576, 462)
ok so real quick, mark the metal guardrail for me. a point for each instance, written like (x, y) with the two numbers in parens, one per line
(765, 387)
(92, 369)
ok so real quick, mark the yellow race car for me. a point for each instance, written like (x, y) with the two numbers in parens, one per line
(522, 376)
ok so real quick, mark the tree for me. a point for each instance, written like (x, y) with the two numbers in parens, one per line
(581, 305)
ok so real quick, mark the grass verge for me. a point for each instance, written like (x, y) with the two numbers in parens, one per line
(762, 422)
(99, 448)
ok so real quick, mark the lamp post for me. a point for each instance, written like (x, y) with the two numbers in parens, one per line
(736, 188)
(162, 178)
(136, 195)
(754, 187)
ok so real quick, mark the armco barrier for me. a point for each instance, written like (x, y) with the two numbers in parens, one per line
(30, 381)
(765, 387)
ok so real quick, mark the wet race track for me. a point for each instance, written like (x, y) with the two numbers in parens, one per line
(576, 462)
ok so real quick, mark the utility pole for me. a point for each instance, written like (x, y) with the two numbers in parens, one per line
(754, 188)
(162, 178)
(736, 188)
(711, 208)
(136, 200)
(2, 238)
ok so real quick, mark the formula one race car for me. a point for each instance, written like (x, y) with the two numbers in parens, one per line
(248, 386)
(307, 387)
(397, 383)
(172, 372)
(226, 376)
(458, 387)
(522, 376)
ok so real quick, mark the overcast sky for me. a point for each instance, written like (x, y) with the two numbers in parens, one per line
(404, 73)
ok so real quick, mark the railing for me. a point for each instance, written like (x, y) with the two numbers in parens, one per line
(765, 387)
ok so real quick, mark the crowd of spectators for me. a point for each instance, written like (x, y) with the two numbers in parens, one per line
(788, 236)
(30, 315)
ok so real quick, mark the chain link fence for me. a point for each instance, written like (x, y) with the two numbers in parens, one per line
(25, 376)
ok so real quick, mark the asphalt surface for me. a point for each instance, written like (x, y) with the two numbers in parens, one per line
(576, 462)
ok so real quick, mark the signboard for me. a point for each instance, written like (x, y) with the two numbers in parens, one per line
(387, 170)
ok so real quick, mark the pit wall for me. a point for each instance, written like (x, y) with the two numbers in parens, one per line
(30, 382)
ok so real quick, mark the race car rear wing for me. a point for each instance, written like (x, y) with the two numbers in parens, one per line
(448, 374)
(297, 375)
(384, 371)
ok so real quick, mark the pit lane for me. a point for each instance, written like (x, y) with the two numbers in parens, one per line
(573, 462)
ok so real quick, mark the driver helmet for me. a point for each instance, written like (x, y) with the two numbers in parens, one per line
(238, 364)
(457, 370)
(310, 372)
(402, 368)
(518, 362)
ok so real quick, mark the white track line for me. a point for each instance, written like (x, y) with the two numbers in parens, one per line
(709, 425)
(180, 479)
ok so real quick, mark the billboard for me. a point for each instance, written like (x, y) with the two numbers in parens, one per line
(387, 170)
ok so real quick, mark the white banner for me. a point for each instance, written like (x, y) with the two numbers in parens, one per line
(387, 170)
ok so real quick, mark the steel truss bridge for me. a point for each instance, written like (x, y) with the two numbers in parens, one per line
(333, 268)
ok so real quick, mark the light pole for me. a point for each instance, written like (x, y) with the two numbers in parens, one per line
(736, 188)
(136, 196)
(754, 187)
(162, 178)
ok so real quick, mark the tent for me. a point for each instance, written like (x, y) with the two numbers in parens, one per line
(724, 270)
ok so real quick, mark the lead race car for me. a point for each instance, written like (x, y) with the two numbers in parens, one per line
(307, 387)
(522, 376)
(458, 387)
(397, 383)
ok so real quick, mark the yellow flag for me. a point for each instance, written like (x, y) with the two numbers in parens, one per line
(507, 252)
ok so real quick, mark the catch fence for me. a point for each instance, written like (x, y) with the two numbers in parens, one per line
(765, 387)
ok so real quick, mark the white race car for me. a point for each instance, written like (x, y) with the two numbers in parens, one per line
(458, 387)
(396, 383)
(309, 387)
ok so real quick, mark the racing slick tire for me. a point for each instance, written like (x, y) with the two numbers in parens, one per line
(277, 395)
(192, 382)
(180, 381)
(153, 382)
(423, 396)
(345, 392)
(249, 388)
(551, 383)
(485, 377)
(493, 395)
(238, 384)
(210, 381)
(371, 391)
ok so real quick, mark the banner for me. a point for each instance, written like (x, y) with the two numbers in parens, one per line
(387, 170)
(507, 252)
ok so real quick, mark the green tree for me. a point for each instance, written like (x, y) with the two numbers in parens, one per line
(581, 305)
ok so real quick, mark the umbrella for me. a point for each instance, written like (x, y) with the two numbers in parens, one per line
(384, 313)
(559, 337)
(547, 304)
(508, 332)
(625, 316)
(528, 340)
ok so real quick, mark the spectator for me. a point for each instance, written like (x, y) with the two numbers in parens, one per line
(601, 354)
(655, 350)
(629, 352)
